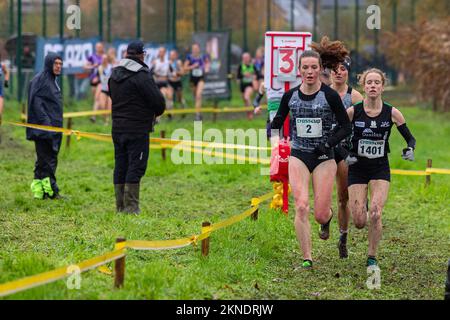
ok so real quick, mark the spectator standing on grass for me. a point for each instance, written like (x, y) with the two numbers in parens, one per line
(45, 108)
(136, 102)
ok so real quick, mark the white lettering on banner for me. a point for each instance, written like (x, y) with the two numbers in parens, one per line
(49, 47)
(75, 54)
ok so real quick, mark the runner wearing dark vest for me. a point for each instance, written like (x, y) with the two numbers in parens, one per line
(349, 96)
(372, 122)
(314, 107)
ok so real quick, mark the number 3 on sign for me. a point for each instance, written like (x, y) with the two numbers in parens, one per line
(287, 64)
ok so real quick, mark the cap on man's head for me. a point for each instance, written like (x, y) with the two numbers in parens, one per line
(135, 48)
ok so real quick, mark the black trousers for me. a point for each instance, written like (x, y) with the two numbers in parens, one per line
(47, 160)
(131, 152)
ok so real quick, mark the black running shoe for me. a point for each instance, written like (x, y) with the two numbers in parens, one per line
(324, 232)
(342, 246)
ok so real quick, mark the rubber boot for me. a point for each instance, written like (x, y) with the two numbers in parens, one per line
(119, 190)
(37, 189)
(47, 186)
(131, 198)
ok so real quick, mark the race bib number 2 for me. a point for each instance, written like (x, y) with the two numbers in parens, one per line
(309, 128)
(371, 149)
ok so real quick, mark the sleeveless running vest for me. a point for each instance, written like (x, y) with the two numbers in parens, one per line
(311, 120)
(247, 69)
(371, 134)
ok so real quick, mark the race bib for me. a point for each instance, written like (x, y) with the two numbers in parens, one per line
(248, 79)
(309, 127)
(197, 72)
(371, 149)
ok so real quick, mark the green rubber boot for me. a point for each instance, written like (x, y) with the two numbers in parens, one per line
(37, 189)
(47, 186)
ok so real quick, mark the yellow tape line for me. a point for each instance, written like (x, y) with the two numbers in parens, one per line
(438, 171)
(409, 173)
(160, 245)
(52, 276)
(82, 114)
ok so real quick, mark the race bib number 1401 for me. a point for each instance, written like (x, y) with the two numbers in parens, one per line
(371, 149)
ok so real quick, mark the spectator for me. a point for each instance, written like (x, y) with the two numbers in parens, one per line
(45, 108)
(136, 102)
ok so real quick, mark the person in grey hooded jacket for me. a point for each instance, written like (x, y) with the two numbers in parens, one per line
(136, 102)
(45, 107)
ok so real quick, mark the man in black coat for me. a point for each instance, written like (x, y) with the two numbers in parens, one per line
(136, 102)
(45, 107)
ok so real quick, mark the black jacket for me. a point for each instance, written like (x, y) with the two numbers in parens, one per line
(136, 100)
(45, 106)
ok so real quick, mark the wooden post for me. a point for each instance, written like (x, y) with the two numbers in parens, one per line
(255, 215)
(69, 127)
(163, 150)
(205, 242)
(119, 269)
(428, 177)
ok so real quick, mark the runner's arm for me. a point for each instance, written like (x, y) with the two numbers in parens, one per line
(400, 122)
(344, 126)
(283, 111)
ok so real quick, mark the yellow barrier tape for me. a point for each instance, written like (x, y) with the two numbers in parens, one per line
(233, 220)
(105, 270)
(81, 114)
(409, 173)
(52, 276)
(120, 251)
(159, 245)
(194, 143)
(165, 143)
(438, 171)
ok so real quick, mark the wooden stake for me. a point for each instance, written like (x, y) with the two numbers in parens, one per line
(255, 215)
(205, 242)
(163, 150)
(119, 269)
(69, 127)
(428, 177)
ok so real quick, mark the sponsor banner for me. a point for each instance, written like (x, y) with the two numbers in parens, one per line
(73, 51)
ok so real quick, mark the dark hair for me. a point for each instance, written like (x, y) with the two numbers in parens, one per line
(310, 54)
(329, 53)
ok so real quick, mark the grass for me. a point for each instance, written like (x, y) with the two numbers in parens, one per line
(250, 260)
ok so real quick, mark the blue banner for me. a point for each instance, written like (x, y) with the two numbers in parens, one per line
(73, 51)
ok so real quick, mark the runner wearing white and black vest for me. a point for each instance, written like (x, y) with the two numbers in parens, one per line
(314, 108)
(372, 122)
(349, 96)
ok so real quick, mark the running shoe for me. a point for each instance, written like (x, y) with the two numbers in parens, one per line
(307, 265)
(324, 232)
(372, 261)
